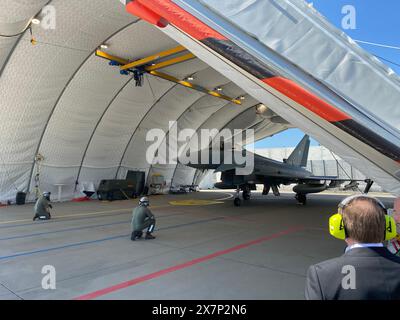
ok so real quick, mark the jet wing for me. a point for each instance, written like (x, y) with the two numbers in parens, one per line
(334, 181)
(226, 167)
(330, 178)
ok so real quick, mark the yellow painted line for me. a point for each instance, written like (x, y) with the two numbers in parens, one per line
(153, 57)
(81, 214)
(12, 221)
(193, 202)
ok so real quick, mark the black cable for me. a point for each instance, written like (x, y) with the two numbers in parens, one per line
(152, 92)
(387, 60)
(60, 46)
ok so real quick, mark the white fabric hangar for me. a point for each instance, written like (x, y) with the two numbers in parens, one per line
(88, 120)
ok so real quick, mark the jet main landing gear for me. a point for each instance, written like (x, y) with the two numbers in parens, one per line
(301, 198)
(237, 202)
(266, 189)
(246, 194)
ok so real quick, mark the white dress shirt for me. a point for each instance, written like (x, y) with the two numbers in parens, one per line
(364, 245)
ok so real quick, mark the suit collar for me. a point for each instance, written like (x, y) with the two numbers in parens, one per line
(368, 252)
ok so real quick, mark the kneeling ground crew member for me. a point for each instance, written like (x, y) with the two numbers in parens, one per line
(142, 218)
(42, 207)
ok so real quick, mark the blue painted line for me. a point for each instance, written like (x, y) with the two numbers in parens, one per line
(38, 223)
(63, 230)
(78, 228)
(29, 253)
(190, 223)
(77, 244)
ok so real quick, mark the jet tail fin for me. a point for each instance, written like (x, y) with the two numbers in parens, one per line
(299, 156)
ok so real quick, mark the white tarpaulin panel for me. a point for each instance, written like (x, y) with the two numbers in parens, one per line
(121, 119)
(292, 27)
(249, 42)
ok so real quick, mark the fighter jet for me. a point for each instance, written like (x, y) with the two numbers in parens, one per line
(272, 174)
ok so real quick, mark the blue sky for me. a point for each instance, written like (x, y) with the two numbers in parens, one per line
(376, 21)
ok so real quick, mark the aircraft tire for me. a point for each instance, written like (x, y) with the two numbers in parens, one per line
(301, 198)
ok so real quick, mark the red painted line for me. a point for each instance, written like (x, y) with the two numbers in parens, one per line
(184, 265)
(181, 19)
(306, 99)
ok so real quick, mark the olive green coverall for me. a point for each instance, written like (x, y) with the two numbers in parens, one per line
(42, 208)
(142, 218)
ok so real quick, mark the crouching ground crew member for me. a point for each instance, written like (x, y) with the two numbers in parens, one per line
(367, 270)
(42, 207)
(142, 218)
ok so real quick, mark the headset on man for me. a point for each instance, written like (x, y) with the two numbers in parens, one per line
(337, 227)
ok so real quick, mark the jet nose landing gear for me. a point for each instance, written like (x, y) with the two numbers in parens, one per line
(246, 195)
(237, 202)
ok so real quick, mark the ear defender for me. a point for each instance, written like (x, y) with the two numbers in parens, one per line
(391, 230)
(337, 228)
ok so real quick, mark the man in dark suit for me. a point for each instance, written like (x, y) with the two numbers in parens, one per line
(367, 270)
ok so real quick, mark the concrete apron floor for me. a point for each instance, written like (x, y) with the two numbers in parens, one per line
(261, 250)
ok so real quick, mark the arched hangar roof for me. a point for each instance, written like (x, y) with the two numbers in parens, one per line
(86, 118)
